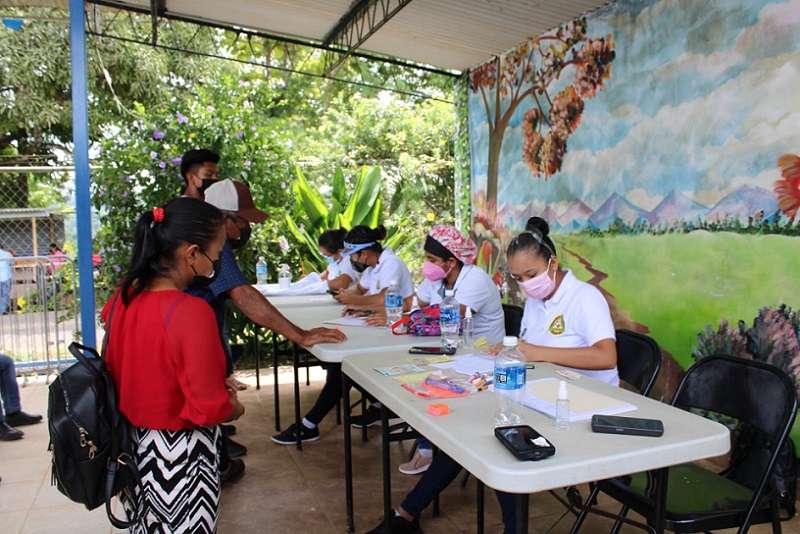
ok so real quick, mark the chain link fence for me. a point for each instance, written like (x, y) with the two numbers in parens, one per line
(38, 280)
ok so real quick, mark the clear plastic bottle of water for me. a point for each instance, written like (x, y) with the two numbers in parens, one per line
(261, 271)
(450, 320)
(393, 301)
(466, 328)
(284, 276)
(509, 383)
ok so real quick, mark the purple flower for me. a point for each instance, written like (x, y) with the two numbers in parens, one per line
(242, 83)
(153, 155)
(158, 135)
(131, 178)
(239, 134)
(253, 128)
(210, 109)
(283, 243)
(162, 165)
(124, 194)
(182, 119)
(247, 163)
(176, 161)
(117, 268)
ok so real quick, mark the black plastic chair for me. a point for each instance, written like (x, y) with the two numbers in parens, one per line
(763, 401)
(512, 316)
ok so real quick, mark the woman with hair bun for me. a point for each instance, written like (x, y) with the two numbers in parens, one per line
(340, 273)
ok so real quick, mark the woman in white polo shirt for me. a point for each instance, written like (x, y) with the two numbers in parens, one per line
(379, 268)
(340, 273)
(566, 321)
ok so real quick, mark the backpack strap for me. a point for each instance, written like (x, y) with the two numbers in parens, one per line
(107, 334)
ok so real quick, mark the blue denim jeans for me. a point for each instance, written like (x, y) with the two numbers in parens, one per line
(8, 387)
(5, 296)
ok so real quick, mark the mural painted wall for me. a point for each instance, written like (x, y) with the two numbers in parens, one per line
(659, 139)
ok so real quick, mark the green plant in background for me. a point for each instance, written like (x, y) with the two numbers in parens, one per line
(313, 214)
(724, 340)
(462, 168)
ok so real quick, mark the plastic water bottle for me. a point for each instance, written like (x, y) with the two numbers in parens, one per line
(466, 328)
(509, 383)
(261, 271)
(284, 277)
(393, 301)
(562, 407)
(449, 320)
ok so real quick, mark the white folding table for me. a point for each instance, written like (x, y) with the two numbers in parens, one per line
(467, 436)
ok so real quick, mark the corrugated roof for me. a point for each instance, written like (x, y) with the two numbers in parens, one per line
(449, 34)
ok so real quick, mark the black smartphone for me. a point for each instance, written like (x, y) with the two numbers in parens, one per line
(524, 442)
(432, 350)
(632, 426)
(333, 292)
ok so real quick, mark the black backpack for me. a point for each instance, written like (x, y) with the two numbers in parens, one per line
(91, 441)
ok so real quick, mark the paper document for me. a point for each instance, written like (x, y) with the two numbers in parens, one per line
(402, 369)
(468, 364)
(348, 320)
(309, 285)
(583, 403)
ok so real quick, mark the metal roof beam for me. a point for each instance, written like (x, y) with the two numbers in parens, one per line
(157, 9)
(362, 20)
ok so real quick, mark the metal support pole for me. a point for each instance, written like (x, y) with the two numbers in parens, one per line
(660, 499)
(348, 454)
(479, 489)
(387, 468)
(80, 138)
(521, 502)
(297, 417)
(275, 387)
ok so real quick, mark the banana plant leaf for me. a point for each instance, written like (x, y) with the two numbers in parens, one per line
(314, 205)
(361, 209)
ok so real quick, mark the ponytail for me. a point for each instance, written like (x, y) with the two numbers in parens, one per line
(364, 234)
(159, 233)
(332, 240)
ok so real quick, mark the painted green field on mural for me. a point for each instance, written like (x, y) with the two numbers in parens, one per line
(675, 284)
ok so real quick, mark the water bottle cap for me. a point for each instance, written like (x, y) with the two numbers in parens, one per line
(468, 313)
(562, 390)
(261, 258)
(510, 341)
(449, 292)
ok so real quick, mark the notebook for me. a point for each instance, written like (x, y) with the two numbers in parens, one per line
(541, 395)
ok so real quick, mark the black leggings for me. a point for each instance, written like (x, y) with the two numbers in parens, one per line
(330, 394)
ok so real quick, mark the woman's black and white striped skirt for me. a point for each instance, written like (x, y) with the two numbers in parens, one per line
(180, 481)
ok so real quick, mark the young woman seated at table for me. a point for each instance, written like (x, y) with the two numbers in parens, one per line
(340, 273)
(566, 322)
(379, 268)
(449, 264)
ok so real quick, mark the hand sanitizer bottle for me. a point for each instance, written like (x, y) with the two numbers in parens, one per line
(562, 406)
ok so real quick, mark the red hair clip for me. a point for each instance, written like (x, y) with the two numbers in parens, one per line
(158, 215)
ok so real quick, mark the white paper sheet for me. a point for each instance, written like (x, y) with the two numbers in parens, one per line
(541, 395)
(309, 285)
(348, 320)
(467, 364)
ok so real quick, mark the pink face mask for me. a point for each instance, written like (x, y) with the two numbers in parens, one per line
(540, 286)
(433, 272)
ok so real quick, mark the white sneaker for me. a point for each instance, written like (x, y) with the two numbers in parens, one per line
(418, 464)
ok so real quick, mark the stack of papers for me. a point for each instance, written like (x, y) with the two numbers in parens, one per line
(348, 320)
(469, 364)
(310, 285)
(583, 404)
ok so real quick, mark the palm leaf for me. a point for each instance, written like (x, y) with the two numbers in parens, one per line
(309, 198)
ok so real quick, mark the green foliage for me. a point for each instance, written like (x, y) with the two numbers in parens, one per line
(725, 340)
(462, 159)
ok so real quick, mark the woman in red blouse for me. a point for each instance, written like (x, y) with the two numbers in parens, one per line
(166, 358)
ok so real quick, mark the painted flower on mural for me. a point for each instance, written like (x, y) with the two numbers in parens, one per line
(788, 188)
(593, 65)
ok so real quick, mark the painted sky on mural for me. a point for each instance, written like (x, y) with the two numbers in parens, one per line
(703, 98)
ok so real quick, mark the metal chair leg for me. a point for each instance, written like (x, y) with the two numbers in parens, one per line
(339, 412)
(480, 495)
(308, 372)
(584, 510)
(465, 479)
(275, 388)
(618, 523)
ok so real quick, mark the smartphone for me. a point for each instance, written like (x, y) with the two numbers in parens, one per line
(524, 442)
(432, 350)
(333, 292)
(633, 426)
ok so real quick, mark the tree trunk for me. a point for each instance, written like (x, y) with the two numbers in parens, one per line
(492, 173)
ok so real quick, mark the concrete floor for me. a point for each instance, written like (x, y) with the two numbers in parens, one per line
(283, 490)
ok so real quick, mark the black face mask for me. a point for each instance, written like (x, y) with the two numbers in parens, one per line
(244, 237)
(201, 281)
(207, 182)
(358, 266)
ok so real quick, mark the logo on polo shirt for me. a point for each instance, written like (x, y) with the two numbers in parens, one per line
(557, 326)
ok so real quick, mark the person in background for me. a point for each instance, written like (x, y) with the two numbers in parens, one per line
(449, 264)
(166, 359)
(340, 273)
(236, 201)
(380, 267)
(11, 414)
(199, 170)
(566, 322)
(6, 275)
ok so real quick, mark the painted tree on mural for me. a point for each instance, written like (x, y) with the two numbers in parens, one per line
(529, 72)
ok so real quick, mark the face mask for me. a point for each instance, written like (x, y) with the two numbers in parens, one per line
(358, 266)
(433, 272)
(540, 286)
(244, 237)
(201, 281)
(330, 259)
(207, 182)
